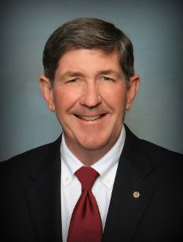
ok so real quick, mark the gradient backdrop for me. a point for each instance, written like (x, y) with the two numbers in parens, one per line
(156, 30)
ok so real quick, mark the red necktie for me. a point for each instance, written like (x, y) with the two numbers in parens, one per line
(85, 225)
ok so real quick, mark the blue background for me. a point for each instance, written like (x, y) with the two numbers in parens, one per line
(156, 30)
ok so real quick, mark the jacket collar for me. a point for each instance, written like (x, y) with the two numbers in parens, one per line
(125, 210)
(127, 207)
(43, 194)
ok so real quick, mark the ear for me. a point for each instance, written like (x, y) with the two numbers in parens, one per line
(47, 92)
(132, 90)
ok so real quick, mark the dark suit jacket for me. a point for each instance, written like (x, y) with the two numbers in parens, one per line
(30, 195)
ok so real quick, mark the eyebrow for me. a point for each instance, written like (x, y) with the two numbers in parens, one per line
(71, 74)
(108, 72)
(102, 72)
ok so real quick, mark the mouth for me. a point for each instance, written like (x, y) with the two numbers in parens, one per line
(89, 118)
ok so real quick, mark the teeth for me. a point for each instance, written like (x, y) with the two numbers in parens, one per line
(90, 118)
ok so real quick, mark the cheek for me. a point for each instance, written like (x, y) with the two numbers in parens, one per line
(64, 98)
(116, 97)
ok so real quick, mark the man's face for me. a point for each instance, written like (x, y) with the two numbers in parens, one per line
(90, 98)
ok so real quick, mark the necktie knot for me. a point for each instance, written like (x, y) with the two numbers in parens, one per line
(87, 177)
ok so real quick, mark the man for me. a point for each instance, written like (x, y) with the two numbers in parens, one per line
(137, 192)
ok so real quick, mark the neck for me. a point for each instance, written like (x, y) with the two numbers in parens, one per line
(89, 156)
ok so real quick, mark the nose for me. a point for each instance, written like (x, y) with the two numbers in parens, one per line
(91, 95)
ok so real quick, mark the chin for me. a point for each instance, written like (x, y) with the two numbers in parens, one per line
(95, 143)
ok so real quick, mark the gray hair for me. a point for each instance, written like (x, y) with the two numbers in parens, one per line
(87, 33)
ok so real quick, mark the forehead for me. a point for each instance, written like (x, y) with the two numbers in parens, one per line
(102, 51)
(88, 59)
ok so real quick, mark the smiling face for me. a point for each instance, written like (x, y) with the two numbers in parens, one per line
(90, 97)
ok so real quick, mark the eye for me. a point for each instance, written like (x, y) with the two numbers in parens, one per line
(73, 80)
(106, 78)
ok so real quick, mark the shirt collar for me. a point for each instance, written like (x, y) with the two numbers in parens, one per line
(106, 166)
(70, 164)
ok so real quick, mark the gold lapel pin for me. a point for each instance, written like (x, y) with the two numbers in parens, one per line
(136, 194)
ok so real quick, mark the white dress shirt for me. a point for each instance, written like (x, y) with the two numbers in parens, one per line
(102, 188)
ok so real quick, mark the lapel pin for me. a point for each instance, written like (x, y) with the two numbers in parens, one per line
(136, 194)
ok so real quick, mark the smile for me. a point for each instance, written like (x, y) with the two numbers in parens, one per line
(90, 118)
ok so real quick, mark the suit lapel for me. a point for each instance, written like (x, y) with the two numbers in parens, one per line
(125, 211)
(126, 208)
(43, 195)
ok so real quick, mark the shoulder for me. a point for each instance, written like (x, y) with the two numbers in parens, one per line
(150, 147)
(155, 149)
(25, 161)
(157, 153)
(167, 165)
(158, 156)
